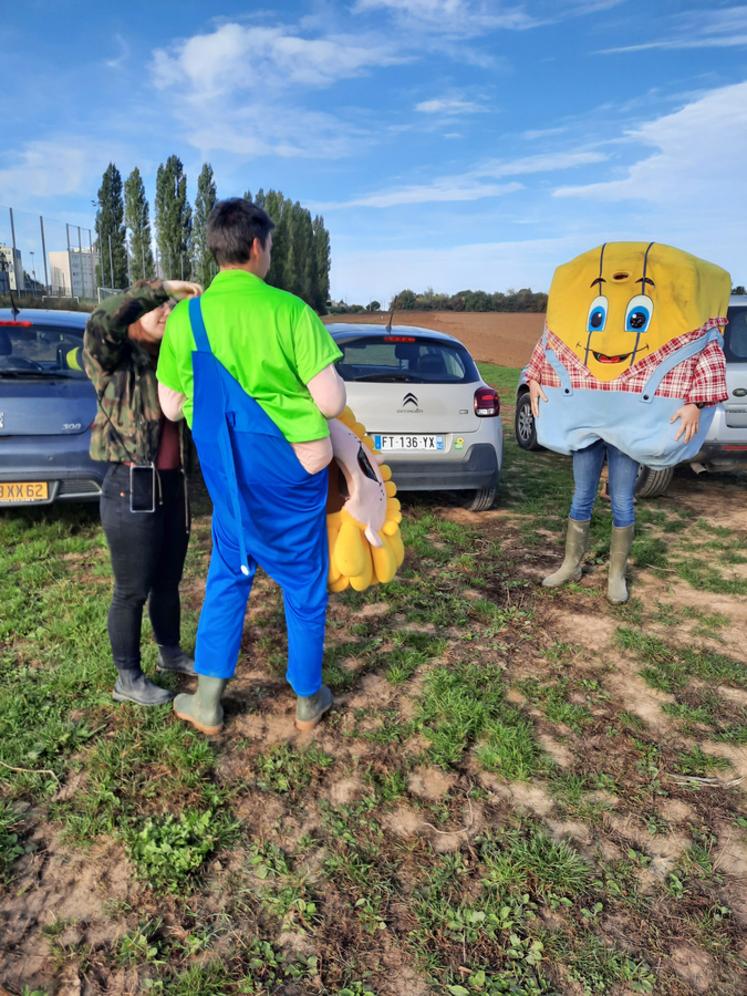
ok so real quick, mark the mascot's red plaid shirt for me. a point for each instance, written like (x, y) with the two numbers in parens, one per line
(698, 380)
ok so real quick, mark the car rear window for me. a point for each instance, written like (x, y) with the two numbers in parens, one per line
(735, 336)
(407, 359)
(40, 350)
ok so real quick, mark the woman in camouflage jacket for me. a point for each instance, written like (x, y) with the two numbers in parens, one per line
(144, 507)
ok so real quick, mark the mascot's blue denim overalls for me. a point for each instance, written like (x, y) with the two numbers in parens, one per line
(267, 510)
(637, 423)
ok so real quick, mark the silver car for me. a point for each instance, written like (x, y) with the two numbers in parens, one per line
(725, 446)
(420, 395)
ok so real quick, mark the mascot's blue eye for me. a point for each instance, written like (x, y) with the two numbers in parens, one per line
(597, 315)
(638, 313)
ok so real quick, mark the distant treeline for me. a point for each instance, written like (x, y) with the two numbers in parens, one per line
(471, 300)
(131, 248)
(466, 300)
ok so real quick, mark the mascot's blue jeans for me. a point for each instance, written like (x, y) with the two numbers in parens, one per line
(267, 511)
(623, 473)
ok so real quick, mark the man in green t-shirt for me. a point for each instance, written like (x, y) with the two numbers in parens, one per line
(251, 368)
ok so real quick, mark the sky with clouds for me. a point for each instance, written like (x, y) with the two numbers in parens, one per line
(447, 143)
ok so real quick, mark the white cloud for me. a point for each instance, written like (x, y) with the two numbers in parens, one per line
(698, 162)
(52, 168)
(534, 133)
(237, 57)
(724, 28)
(448, 106)
(471, 17)
(116, 62)
(462, 17)
(473, 184)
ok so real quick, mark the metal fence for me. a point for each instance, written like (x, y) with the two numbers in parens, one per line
(47, 258)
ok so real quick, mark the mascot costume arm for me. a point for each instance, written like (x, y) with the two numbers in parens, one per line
(363, 515)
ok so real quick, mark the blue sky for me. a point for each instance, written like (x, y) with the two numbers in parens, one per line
(448, 143)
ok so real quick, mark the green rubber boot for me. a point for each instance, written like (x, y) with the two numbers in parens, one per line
(576, 539)
(203, 709)
(622, 540)
(311, 708)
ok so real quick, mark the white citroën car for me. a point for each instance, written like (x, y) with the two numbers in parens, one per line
(420, 395)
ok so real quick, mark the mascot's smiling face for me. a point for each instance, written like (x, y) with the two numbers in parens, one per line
(623, 301)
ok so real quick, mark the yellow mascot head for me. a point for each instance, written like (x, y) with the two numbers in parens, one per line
(622, 301)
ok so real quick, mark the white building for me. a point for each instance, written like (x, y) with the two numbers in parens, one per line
(73, 273)
(11, 265)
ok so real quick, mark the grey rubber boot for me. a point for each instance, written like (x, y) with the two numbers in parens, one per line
(175, 660)
(203, 709)
(132, 686)
(311, 708)
(622, 540)
(576, 540)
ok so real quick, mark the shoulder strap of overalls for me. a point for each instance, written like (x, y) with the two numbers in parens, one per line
(223, 440)
(678, 356)
(198, 325)
(563, 376)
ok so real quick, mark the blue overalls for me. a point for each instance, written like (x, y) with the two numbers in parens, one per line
(267, 510)
(637, 423)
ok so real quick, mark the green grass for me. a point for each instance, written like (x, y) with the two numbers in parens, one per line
(428, 828)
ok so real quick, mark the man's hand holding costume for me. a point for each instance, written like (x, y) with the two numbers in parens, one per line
(365, 545)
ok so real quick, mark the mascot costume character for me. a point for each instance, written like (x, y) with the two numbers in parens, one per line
(631, 347)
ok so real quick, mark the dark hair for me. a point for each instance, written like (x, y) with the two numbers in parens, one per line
(232, 227)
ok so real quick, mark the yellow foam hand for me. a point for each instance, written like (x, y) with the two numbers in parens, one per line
(365, 544)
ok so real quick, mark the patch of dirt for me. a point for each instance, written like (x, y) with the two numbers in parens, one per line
(373, 692)
(675, 810)
(529, 797)
(637, 696)
(60, 888)
(737, 757)
(694, 967)
(404, 821)
(557, 751)
(346, 791)
(594, 632)
(430, 783)
(665, 849)
(505, 338)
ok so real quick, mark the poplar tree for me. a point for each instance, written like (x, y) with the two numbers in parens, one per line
(111, 268)
(173, 220)
(204, 264)
(322, 261)
(300, 249)
(137, 223)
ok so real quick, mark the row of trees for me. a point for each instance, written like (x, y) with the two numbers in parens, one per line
(300, 250)
(471, 300)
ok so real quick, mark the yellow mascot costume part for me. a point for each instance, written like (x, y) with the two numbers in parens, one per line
(633, 333)
(363, 514)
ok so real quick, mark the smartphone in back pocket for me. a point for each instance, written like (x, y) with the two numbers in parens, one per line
(143, 488)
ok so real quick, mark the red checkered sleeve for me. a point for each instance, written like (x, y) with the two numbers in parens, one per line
(708, 383)
(537, 363)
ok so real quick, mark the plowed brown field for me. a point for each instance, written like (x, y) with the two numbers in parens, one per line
(499, 337)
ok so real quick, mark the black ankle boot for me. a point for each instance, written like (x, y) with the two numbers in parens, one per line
(174, 659)
(132, 686)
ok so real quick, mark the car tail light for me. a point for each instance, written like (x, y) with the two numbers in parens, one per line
(487, 402)
(23, 325)
(399, 338)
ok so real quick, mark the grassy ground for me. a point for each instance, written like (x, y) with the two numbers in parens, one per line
(521, 791)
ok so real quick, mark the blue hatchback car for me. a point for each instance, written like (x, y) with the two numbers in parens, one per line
(47, 405)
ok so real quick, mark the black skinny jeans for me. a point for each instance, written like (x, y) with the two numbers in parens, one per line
(147, 551)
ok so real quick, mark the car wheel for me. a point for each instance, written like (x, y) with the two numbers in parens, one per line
(652, 483)
(482, 499)
(524, 427)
